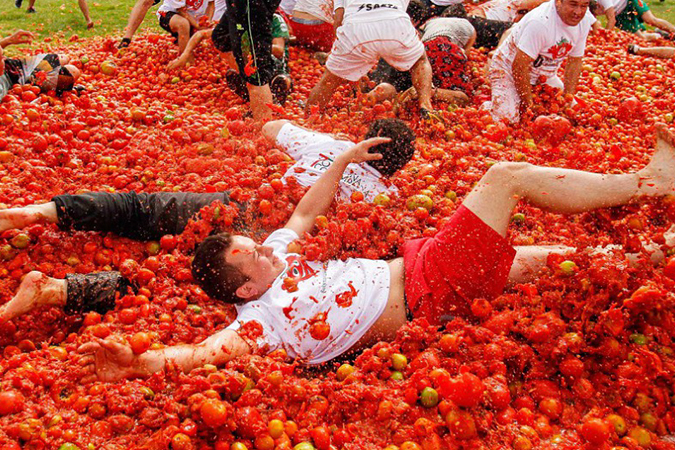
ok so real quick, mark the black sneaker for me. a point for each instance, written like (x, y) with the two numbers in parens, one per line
(31, 10)
(237, 84)
(665, 34)
(281, 86)
(431, 115)
(632, 49)
(18, 3)
(124, 43)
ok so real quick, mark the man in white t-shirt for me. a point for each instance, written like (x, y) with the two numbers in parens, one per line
(316, 311)
(315, 152)
(367, 30)
(534, 51)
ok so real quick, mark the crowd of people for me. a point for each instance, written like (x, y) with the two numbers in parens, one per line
(411, 49)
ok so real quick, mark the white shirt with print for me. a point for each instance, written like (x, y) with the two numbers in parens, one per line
(315, 152)
(359, 11)
(196, 8)
(545, 38)
(348, 295)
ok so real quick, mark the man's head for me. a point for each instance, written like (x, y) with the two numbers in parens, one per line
(571, 12)
(397, 152)
(234, 268)
(418, 12)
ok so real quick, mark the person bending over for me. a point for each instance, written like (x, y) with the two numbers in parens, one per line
(317, 311)
(312, 24)
(447, 41)
(632, 15)
(181, 18)
(534, 51)
(366, 31)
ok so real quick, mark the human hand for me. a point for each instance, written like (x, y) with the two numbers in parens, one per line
(107, 359)
(20, 37)
(177, 63)
(361, 151)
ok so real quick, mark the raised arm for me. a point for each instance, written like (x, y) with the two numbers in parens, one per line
(521, 76)
(111, 359)
(319, 197)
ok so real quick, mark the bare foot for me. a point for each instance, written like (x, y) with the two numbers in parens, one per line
(36, 289)
(658, 177)
(21, 217)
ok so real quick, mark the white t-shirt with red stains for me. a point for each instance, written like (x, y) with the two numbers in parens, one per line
(502, 10)
(196, 8)
(315, 152)
(349, 296)
(544, 37)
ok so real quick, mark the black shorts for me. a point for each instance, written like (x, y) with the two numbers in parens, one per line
(246, 30)
(95, 292)
(165, 21)
(488, 32)
(137, 216)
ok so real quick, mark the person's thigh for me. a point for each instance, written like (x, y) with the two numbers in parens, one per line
(221, 36)
(178, 23)
(349, 59)
(405, 51)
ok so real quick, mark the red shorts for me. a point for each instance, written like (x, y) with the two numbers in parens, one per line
(318, 37)
(465, 260)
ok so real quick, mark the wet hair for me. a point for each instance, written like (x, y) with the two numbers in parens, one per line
(398, 152)
(218, 278)
(418, 12)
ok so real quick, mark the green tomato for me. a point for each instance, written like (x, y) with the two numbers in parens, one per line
(396, 376)
(69, 446)
(429, 397)
(399, 361)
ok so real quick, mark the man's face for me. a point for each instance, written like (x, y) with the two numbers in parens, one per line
(571, 12)
(255, 261)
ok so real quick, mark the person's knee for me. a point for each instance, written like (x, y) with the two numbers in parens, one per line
(506, 173)
(271, 129)
(74, 71)
(179, 24)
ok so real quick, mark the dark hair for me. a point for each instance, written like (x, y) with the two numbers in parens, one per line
(398, 152)
(418, 11)
(218, 278)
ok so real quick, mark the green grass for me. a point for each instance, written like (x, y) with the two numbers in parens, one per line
(63, 17)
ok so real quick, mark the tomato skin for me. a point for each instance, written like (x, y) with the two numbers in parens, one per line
(11, 402)
(465, 390)
(140, 342)
(214, 413)
(595, 431)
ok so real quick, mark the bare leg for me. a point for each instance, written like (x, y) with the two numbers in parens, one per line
(421, 78)
(180, 25)
(658, 52)
(382, 92)
(36, 289)
(324, 90)
(649, 18)
(85, 12)
(260, 97)
(568, 191)
(27, 215)
(136, 17)
(31, 5)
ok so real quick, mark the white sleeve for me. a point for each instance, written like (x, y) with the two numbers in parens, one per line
(296, 140)
(532, 39)
(280, 239)
(338, 4)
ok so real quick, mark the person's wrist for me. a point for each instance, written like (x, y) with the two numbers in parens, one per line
(148, 363)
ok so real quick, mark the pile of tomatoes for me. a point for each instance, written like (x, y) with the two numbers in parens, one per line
(581, 358)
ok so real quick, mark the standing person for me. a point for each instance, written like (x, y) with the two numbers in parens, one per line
(312, 24)
(181, 18)
(534, 51)
(82, 4)
(367, 31)
(317, 311)
(276, 64)
(632, 15)
(247, 35)
(140, 9)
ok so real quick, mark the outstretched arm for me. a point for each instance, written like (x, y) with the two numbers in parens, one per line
(319, 197)
(194, 41)
(18, 37)
(111, 359)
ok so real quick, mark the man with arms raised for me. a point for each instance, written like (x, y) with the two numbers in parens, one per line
(319, 310)
(534, 51)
